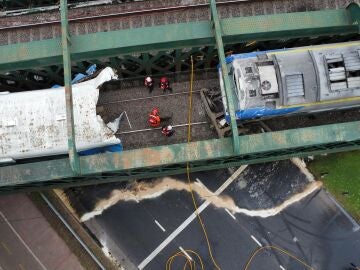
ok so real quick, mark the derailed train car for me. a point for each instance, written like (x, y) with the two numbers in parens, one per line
(33, 123)
(290, 81)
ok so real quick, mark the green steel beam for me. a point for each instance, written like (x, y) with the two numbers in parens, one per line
(235, 30)
(225, 76)
(65, 41)
(172, 159)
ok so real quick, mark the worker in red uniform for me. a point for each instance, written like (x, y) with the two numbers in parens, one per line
(165, 84)
(168, 131)
(154, 118)
(149, 84)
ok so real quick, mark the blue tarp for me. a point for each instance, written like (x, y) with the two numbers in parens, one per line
(253, 113)
(100, 150)
(79, 76)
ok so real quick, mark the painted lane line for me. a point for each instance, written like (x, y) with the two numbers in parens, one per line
(186, 222)
(22, 241)
(282, 267)
(231, 215)
(136, 199)
(171, 237)
(256, 241)
(161, 227)
(185, 253)
(199, 183)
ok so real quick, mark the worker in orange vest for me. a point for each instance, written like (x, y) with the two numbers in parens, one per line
(154, 118)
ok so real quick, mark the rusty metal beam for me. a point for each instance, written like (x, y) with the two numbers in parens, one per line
(172, 159)
(65, 42)
(234, 30)
(230, 100)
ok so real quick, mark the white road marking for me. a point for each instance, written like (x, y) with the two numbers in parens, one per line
(231, 215)
(22, 241)
(185, 253)
(186, 222)
(161, 227)
(136, 199)
(256, 241)
(199, 181)
(282, 267)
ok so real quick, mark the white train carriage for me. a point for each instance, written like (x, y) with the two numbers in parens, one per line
(290, 81)
(33, 123)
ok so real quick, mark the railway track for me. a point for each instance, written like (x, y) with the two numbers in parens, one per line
(145, 98)
(136, 103)
(123, 14)
(142, 14)
(135, 132)
(13, 7)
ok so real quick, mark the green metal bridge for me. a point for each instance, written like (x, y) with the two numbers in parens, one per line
(172, 159)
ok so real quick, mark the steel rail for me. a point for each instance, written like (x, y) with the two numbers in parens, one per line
(149, 129)
(121, 14)
(143, 98)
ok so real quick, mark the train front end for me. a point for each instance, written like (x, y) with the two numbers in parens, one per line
(255, 87)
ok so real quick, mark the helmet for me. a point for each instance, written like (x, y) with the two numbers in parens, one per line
(148, 79)
(155, 111)
(163, 80)
(169, 127)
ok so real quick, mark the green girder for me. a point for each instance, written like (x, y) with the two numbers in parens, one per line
(172, 159)
(65, 42)
(165, 37)
(202, 155)
(230, 100)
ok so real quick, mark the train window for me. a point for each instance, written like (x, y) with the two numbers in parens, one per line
(265, 63)
(252, 93)
(248, 70)
(236, 85)
(336, 67)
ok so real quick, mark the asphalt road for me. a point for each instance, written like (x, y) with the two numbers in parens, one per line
(144, 234)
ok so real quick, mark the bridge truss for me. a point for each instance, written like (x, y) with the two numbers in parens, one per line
(142, 47)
